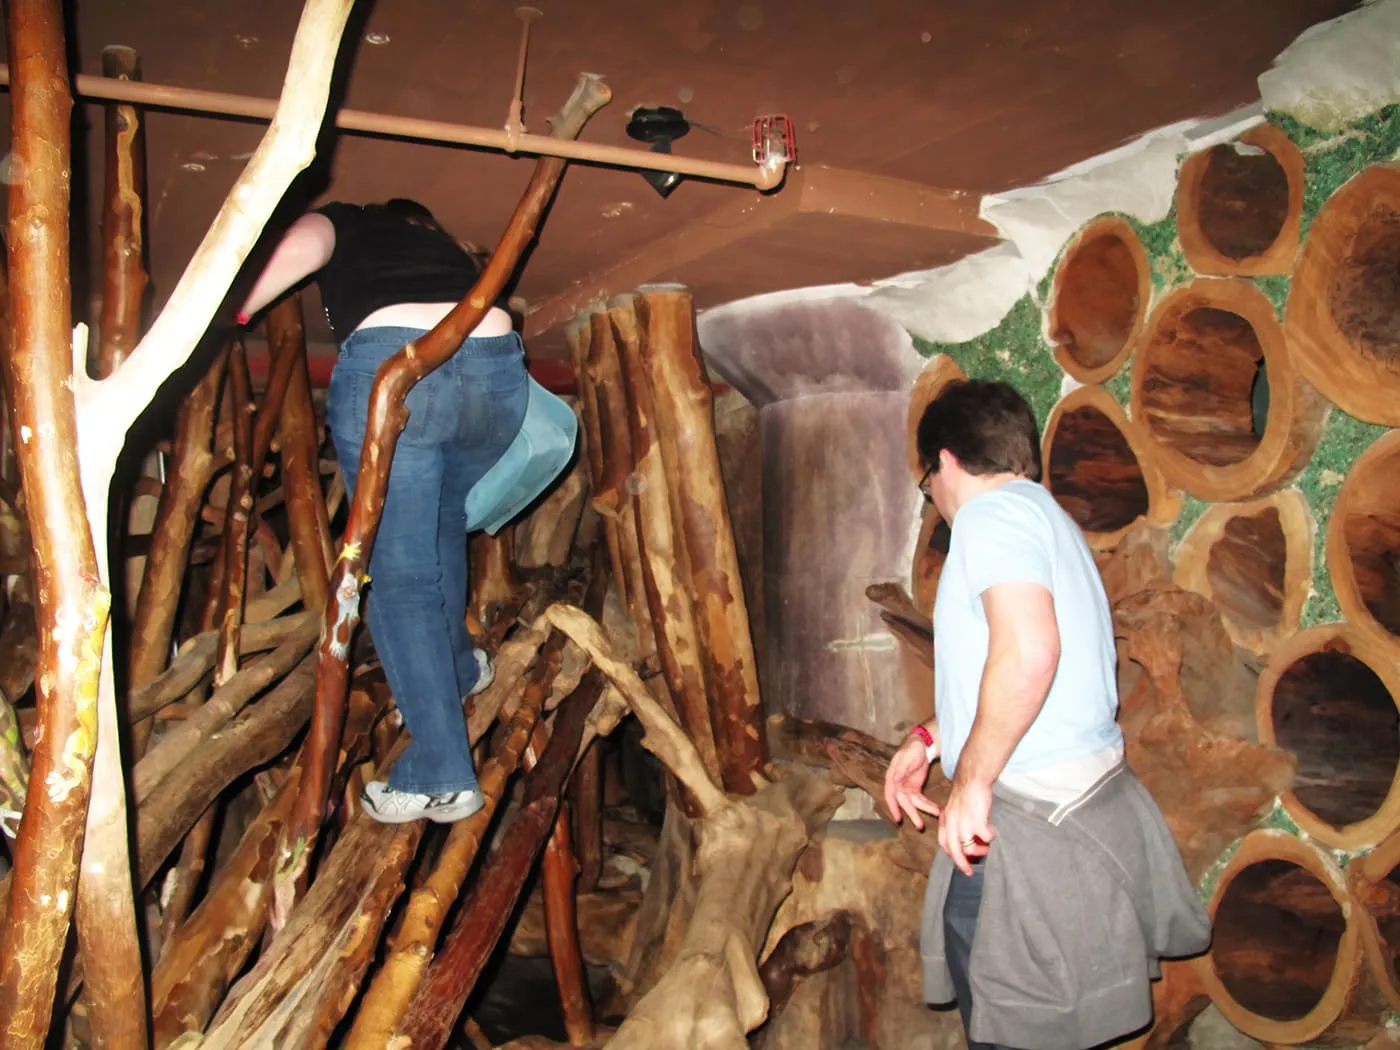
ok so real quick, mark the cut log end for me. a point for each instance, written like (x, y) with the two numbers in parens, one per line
(1363, 543)
(1239, 205)
(1364, 295)
(1096, 467)
(1099, 299)
(1216, 390)
(1329, 696)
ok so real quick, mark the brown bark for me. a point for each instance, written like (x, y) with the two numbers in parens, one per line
(411, 949)
(685, 424)
(804, 950)
(493, 576)
(306, 503)
(123, 238)
(191, 464)
(592, 450)
(72, 603)
(386, 419)
(286, 341)
(546, 537)
(433, 1013)
(661, 544)
(586, 796)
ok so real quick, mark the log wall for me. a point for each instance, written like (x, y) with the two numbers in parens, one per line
(1241, 361)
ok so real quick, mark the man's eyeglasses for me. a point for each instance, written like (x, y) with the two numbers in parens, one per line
(923, 485)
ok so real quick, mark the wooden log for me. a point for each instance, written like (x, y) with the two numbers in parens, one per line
(1099, 299)
(1374, 886)
(1343, 313)
(286, 341)
(387, 415)
(660, 541)
(466, 949)
(1254, 561)
(685, 425)
(1101, 468)
(1239, 205)
(307, 519)
(1286, 962)
(1363, 544)
(410, 950)
(558, 870)
(614, 488)
(1207, 347)
(123, 236)
(936, 376)
(586, 804)
(213, 945)
(258, 736)
(593, 452)
(1330, 696)
(493, 575)
(1186, 708)
(712, 995)
(191, 465)
(73, 603)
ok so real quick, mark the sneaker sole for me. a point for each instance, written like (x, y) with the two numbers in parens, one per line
(439, 815)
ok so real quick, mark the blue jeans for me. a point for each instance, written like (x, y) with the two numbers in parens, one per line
(462, 417)
(959, 927)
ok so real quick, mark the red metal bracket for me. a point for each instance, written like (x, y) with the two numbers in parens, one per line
(774, 138)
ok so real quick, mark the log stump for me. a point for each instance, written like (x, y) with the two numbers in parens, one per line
(1329, 695)
(1099, 299)
(1101, 469)
(1286, 964)
(1254, 560)
(1239, 205)
(1343, 314)
(1363, 543)
(1208, 349)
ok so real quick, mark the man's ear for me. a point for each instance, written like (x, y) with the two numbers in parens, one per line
(946, 459)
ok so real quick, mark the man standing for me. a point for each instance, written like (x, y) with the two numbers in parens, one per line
(1057, 887)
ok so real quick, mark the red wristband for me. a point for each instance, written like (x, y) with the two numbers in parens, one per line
(923, 734)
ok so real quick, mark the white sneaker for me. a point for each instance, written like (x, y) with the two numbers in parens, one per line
(389, 806)
(485, 672)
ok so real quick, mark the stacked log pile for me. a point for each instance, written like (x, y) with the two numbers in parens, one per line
(1222, 442)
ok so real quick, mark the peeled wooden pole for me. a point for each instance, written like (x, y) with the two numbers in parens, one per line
(286, 340)
(685, 418)
(558, 870)
(72, 603)
(493, 575)
(586, 796)
(387, 416)
(123, 235)
(661, 543)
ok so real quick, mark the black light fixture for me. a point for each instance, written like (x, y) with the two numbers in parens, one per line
(659, 126)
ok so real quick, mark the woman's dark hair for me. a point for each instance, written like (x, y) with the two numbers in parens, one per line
(418, 214)
(987, 426)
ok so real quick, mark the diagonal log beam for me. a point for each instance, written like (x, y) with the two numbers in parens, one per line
(387, 416)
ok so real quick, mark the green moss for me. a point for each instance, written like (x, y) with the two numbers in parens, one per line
(1212, 876)
(1343, 439)
(1329, 159)
(1163, 249)
(1120, 385)
(1275, 289)
(1191, 511)
(1015, 352)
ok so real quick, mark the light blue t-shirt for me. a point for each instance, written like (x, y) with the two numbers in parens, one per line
(1017, 532)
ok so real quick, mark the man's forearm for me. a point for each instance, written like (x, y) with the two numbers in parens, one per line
(1009, 700)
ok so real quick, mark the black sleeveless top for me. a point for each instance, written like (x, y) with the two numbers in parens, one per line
(381, 259)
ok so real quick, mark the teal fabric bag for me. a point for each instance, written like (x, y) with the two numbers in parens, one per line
(537, 456)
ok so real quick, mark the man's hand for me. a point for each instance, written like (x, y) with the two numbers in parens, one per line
(904, 782)
(965, 829)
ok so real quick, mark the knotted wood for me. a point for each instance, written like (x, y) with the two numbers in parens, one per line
(387, 415)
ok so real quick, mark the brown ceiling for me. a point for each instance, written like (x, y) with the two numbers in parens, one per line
(917, 108)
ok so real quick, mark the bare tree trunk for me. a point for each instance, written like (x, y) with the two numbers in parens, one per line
(386, 419)
(685, 425)
(586, 793)
(72, 603)
(123, 236)
(559, 869)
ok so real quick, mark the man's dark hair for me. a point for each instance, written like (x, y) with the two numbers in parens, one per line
(986, 425)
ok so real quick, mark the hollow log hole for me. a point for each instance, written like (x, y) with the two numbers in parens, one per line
(1372, 540)
(1205, 391)
(1093, 472)
(1333, 712)
(1277, 929)
(1097, 303)
(1246, 569)
(1243, 200)
(1365, 294)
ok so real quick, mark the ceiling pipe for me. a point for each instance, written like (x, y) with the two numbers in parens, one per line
(765, 176)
